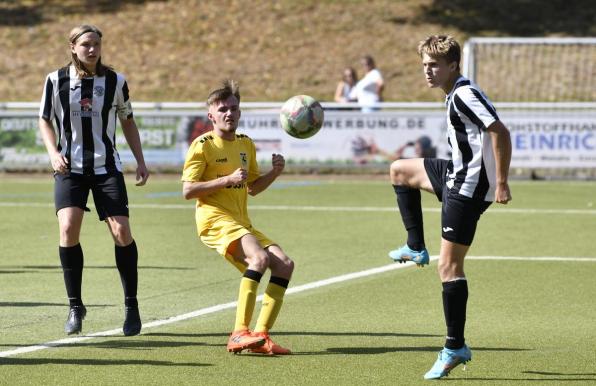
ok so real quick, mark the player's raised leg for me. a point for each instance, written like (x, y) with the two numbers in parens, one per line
(408, 176)
(281, 272)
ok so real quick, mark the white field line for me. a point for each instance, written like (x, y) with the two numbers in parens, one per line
(291, 290)
(322, 208)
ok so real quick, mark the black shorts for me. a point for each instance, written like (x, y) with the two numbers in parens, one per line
(109, 193)
(459, 214)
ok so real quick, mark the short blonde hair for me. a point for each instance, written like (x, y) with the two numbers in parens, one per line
(441, 46)
(228, 88)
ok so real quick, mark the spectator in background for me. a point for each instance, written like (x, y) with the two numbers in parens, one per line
(369, 90)
(345, 86)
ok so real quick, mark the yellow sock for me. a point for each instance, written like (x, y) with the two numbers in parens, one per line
(272, 301)
(247, 297)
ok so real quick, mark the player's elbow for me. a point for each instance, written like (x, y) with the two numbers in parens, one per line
(187, 192)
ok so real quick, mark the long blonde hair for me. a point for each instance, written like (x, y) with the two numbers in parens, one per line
(82, 72)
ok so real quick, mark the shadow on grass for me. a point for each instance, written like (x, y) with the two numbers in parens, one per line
(385, 350)
(305, 333)
(14, 269)
(35, 12)
(513, 17)
(94, 362)
(42, 304)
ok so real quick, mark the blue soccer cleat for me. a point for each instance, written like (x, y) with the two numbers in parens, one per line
(403, 254)
(448, 359)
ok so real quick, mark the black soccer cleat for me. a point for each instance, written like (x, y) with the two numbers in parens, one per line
(132, 321)
(74, 322)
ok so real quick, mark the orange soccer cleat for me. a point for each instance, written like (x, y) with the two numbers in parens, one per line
(242, 340)
(270, 347)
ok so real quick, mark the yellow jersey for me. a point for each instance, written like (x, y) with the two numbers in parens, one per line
(210, 157)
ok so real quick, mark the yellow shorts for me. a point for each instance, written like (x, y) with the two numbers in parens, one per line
(223, 232)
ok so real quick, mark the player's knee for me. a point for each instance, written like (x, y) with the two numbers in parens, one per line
(397, 173)
(287, 266)
(449, 270)
(121, 234)
(69, 233)
(260, 261)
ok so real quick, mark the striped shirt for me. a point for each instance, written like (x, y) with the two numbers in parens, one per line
(469, 113)
(84, 112)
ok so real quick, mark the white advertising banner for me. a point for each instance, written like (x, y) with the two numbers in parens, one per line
(560, 139)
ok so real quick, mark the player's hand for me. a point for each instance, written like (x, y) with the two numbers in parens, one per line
(502, 193)
(278, 162)
(240, 175)
(59, 163)
(142, 175)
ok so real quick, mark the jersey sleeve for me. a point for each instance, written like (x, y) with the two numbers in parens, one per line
(195, 163)
(123, 105)
(46, 109)
(476, 106)
(253, 166)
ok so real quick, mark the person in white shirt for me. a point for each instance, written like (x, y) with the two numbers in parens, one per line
(369, 90)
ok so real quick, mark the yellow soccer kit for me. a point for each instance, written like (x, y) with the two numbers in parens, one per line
(222, 217)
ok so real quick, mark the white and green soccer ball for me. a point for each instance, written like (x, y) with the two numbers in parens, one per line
(301, 116)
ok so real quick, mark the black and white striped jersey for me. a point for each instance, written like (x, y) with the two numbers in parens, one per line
(469, 113)
(84, 113)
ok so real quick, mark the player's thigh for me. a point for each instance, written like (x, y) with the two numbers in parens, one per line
(71, 190)
(110, 196)
(460, 216)
(246, 249)
(410, 173)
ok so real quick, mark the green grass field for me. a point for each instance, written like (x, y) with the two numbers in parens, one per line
(530, 320)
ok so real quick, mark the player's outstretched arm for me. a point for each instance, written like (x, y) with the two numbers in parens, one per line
(260, 184)
(501, 142)
(198, 189)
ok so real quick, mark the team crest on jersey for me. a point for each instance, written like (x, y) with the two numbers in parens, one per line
(244, 160)
(86, 104)
(98, 91)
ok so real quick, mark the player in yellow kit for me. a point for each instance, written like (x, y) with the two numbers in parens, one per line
(219, 172)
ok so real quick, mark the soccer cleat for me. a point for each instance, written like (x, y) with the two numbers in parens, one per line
(74, 322)
(132, 321)
(403, 254)
(270, 347)
(448, 359)
(242, 340)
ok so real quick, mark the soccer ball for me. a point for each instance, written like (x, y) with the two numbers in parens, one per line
(301, 116)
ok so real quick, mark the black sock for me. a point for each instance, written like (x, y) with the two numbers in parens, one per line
(253, 275)
(410, 208)
(280, 281)
(126, 260)
(455, 298)
(71, 259)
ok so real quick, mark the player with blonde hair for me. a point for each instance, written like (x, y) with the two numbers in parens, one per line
(466, 185)
(83, 99)
(220, 172)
